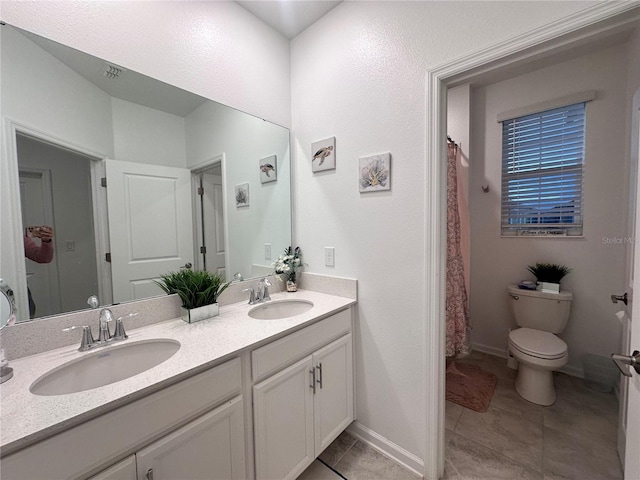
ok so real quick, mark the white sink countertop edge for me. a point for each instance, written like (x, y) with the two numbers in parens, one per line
(26, 418)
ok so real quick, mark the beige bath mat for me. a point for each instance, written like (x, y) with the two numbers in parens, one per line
(470, 386)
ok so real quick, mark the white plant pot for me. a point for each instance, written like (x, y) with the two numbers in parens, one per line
(201, 313)
(548, 287)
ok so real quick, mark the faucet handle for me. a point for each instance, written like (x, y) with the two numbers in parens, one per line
(265, 289)
(119, 333)
(87, 338)
(92, 301)
(252, 295)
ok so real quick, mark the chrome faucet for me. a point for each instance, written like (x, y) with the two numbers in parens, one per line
(106, 316)
(104, 334)
(261, 294)
(263, 290)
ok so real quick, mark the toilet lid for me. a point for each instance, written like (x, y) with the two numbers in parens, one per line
(537, 343)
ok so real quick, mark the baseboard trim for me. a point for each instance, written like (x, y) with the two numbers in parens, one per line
(498, 352)
(387, 448)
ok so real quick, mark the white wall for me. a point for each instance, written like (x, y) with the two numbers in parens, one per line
(146, 135)
(359, 74)
(213, 129)
(213, 48)
(597, 266)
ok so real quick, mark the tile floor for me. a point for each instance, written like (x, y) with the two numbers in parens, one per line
(574, 439)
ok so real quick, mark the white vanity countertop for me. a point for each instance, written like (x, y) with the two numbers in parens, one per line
(27, 418)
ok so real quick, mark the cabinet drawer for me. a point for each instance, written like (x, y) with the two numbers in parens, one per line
(271, 358)
(80, 450)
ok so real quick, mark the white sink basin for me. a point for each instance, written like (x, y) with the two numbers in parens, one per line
(278, 309)
(105, 366)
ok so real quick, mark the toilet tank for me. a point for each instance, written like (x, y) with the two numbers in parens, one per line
(548, 312)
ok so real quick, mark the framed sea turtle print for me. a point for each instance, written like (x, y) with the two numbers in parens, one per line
(268, 169)
(323, 155)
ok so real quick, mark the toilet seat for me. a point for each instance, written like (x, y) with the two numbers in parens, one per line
(538, 344)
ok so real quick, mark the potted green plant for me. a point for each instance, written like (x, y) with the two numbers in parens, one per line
(287, 264)
(548, 276)
(199, 291)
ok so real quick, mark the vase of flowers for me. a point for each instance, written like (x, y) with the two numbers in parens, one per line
(287, 264)
(199, 291)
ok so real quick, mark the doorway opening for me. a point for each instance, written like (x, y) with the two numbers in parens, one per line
(526, 52)
(57, 190)
(209, 216)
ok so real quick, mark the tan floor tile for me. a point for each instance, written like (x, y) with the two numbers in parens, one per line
(452, 414)
(362, 462)
(569, 457)
(581, 419)
(334, 452)
(506, 398)
(511, 435)
(467, 460)
(318, 471)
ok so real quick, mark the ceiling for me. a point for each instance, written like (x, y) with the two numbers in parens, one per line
(289, 17)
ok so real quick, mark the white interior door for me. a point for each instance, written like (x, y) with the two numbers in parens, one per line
(629, 428)
(150, 225)
(213, 222)
(37, 209)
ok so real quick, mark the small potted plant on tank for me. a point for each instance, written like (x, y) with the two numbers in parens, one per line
(199, 291)
(548, 276)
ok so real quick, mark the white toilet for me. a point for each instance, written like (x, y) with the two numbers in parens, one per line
(538, 351)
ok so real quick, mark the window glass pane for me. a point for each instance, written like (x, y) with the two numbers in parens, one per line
(542, 170)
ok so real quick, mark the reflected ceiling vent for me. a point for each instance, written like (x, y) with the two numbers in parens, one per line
(112, 72)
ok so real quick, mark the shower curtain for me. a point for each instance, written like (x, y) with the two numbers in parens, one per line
(457, 305)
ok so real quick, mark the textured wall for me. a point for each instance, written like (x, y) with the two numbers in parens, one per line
(215, 49)
(359, 74)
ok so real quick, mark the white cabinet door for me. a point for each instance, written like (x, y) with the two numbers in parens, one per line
(283, 422)
(209, 448)
(123, 470)
(150, 225)
(333, 401)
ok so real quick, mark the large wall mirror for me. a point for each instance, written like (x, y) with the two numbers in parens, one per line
(136, 177)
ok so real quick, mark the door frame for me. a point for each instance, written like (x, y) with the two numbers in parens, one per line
(13, 211)
(44, 177)
(556, 36)
(195, 170)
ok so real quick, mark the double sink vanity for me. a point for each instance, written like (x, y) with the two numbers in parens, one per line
(257, 392)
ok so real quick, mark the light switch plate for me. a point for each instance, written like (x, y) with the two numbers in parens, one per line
(329, 256)
(267, 251)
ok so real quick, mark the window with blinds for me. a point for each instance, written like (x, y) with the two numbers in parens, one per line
(542, 167)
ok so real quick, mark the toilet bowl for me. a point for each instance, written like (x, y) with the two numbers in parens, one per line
(540, 316)
(539, 354)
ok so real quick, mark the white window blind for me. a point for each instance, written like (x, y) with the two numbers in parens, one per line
(542, 170)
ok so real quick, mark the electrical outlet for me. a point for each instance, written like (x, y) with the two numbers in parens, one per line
(329, 256)
(267, 251)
